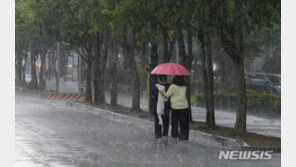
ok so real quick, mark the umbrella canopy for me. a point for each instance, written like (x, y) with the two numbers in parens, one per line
(170, 69)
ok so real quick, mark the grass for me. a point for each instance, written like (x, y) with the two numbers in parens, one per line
(252, 139)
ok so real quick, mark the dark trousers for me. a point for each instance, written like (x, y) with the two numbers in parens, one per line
(180, 118)
(162, 130)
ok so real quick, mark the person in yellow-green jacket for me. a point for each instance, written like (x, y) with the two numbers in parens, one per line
(180, 108)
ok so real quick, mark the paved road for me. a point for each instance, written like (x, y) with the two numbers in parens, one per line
(51, 133)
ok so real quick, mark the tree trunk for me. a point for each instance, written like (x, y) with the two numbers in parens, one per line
(89, 76)
(210, 117)
(24, 68)
(241, 110)
(165, 47)
(34, 82)
(19, 67)
(49, 70)
(41, 75)
(102, 74)
(129, 47)
(96, 51)
(241, 107)
(233, 45)
(181, 44)
(136, 83)
(126, 61)
(188, 65)
(58, 66)
(207, 71)
(201, 37)
(113, 76)
(171, 48)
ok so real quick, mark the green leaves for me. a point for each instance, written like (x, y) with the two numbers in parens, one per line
(74, 21)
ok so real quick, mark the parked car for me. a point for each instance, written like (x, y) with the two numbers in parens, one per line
(275, 80)
(258, 82)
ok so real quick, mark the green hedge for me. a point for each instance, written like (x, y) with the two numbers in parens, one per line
(232, 89)
(265, 102)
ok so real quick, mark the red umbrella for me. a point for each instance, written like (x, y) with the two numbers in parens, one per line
(170, 69)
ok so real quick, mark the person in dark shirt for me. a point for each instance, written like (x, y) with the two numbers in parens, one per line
(161, 132)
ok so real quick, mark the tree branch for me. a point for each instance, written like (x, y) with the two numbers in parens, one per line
(82, 56)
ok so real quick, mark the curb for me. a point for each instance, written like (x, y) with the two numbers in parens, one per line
(196, 136)
(216, 141)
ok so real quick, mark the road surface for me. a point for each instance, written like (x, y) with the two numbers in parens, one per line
(52, 134)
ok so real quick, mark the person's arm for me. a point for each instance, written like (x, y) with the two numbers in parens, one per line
(168, 94)
(163, 94)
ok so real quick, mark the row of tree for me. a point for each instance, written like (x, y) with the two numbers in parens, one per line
(98, 28)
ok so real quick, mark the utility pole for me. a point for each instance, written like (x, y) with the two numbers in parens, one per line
(58, 69)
